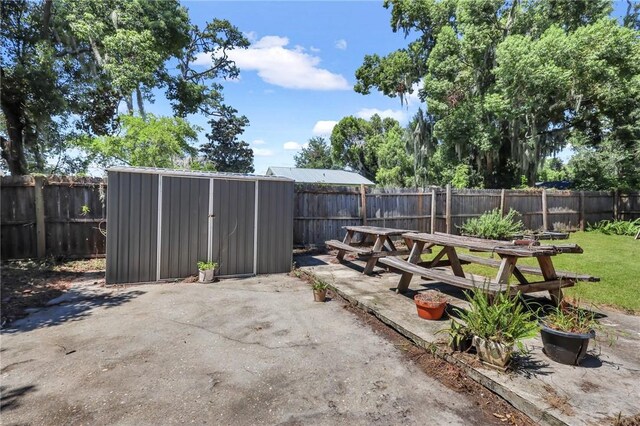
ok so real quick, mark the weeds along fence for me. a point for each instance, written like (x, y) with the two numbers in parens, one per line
(52, 216)
(62, 216)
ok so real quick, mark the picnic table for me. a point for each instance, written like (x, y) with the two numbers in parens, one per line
(370, 242)
(509, 253)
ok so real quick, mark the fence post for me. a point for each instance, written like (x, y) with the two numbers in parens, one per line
(39, 207)
(582, 218)
(502, 202)
(616, 196)
(545, 218)
(447, 210)
(433, 211)
(363, 203)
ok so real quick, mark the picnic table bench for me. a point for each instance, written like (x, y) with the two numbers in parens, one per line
(509, 253)
(382, 244)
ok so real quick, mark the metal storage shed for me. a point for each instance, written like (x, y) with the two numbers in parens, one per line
(161, 222)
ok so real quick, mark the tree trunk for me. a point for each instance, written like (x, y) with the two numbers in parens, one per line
(46, 18)
(129, 100)
(13, 148)
(140, 101)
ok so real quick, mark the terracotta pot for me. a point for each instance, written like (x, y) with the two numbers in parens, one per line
(493, 353)
(319, 295)
(428, 309)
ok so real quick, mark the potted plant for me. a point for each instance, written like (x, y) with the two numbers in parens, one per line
(319, 290)
(206, 271)
(498, 324)
(430, 304)
(460, 337)
(566, 331)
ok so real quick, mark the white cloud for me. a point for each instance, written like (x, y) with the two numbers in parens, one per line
(262, 152)
(341, 44)
(324, 127)
(314, 49)
(293, 146)
(277, 65)
(251, 36)
(413, 98)
(367, 113)
(258, 142)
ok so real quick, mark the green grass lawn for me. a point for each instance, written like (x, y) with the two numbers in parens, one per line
(615, 259)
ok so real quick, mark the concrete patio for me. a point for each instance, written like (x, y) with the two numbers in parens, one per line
(240, 351)
(604, 387)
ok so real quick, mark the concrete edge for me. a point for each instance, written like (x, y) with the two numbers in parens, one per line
(537, 414)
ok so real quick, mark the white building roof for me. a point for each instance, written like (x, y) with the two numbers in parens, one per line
(326, 176)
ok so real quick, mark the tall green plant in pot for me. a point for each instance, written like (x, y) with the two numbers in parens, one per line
(498, 324)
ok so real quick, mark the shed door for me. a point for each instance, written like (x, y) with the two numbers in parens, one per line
(184, 230)
(233, 227)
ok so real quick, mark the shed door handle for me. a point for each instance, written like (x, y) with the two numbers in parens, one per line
(212, 215)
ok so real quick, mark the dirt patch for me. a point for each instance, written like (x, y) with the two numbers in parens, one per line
(494, 409)
(557, 401)
(29, 284)
(588, 386)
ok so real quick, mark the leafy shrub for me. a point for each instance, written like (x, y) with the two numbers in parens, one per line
(493, 225)
(319, 285)
(616, 227)
(570, 319)
(504, 320)
(205, 266)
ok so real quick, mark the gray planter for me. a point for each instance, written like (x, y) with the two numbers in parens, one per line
(493, 353)
(206, 276)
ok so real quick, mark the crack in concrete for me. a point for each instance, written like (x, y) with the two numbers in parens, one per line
(242, 342)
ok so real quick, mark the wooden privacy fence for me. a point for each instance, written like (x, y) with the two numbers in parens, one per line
(52, 216)
(322, 211)
(61, 216)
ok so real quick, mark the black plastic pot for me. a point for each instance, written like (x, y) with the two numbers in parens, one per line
(565, 347)
(463, 345)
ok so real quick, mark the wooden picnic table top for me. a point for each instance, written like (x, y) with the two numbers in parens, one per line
(507, 248)
(376, 230)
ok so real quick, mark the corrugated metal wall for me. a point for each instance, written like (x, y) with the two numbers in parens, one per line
(233, 225)
(185, 209)
(132, 232)
(132, 215)
(275, 226)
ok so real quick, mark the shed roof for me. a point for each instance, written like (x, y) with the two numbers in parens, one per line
(191, 173)
(338, 177)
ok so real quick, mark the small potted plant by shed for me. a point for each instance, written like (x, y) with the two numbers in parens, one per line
(498, 325)
(319, 290)
(430, 304)
(566, 331)
(206, 271)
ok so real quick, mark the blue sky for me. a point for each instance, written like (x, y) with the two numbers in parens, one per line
(296, 79)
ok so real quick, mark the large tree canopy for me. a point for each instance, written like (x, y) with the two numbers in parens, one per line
(316, 155)
(374, 148)
(508, 83)
(150, 142)
(224, 151)
(68, 64)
